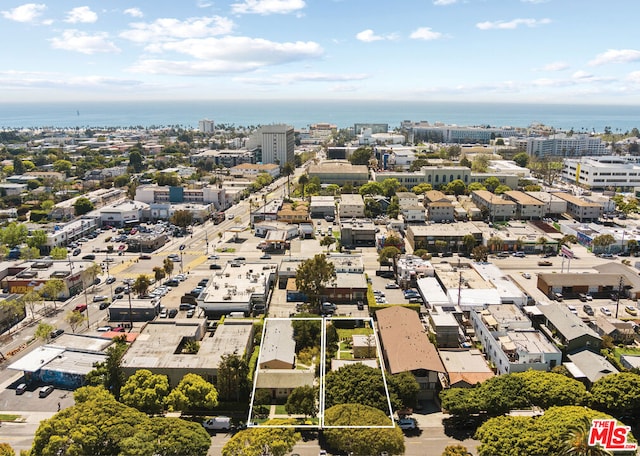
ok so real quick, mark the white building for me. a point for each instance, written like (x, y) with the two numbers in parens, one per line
(277, 143)
(601, 173)
(206, 126)
(561, 145)
(351, 206)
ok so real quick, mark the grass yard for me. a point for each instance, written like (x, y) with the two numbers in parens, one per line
(7, 417)
(347, 333)
(280, 410)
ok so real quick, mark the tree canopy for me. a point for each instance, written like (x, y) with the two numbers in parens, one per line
(276, 441)
(99, 425)
(617, 394)
(145, 391)
(232, 380)
(363, 441)
(302, 400)
(552, 433)
(193, 393)
(356, 384)
(312, 276)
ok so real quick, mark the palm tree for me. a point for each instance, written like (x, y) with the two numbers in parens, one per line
(469, 242)
(495, 243)
(632, 246)
(141, 285)
(288, 169)
(94, 270)
(168, 266)
(577, 442)
(543, 242)
(302, 181)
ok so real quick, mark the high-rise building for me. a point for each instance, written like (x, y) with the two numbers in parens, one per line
(277, 143)
(206, 126)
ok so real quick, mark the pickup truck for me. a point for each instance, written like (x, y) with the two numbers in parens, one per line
(217, 423)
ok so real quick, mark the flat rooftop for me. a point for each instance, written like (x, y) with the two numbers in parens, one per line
(237, 284)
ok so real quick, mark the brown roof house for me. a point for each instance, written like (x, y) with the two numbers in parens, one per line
(406, 348)
(276, 364)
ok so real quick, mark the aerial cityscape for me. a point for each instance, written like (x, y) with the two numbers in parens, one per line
(294, 228)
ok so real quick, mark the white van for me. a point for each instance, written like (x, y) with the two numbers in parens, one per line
(217, 423)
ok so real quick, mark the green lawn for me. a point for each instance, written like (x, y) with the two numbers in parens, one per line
(346, 355)
(280, 410)
(6, 417)
(347, 333)
(625, 351)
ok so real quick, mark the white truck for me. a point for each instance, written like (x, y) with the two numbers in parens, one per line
(217, 423)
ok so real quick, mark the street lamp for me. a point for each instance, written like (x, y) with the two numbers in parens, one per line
(130, 311)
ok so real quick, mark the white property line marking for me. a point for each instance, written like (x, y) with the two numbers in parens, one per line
(322, 391)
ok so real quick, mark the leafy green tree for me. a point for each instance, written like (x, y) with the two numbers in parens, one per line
(43, 331)
(168, 179)
(18, 166)
(74, 319)
(577, 441)
(6, 450)
(274, 441)
(167, 437)
(136, 161)
(390, 186)
(52, 290)
(362, 441)
(58, 253)
(158, 273)
(14, 234)
(167, 265)
(30, 299)
(371, 188)
(327, 241)
(312, 276)
(491, 183)
(63, 166)
(475, 186)
(603, 241)
(500, 189)
(548, 434)
(388, 255)
(403, 389)
(99, 425)
(232, 380)
(480, 163)
(356, 384)
(464, 161)
(394, 208)
(456, 187)
(82, 206)
(141, 285)
(37, 239)
(568, 239)
(193, 393)
(455, 450)
(618, 395)
(306, 332)
(108, 374)
(521, 159)
(361, 156)
(421, 189)
(480, 253)
(145, 391)
(182, 218)
(547, 389)
(302, 401)
(29, 253)
(461, 401)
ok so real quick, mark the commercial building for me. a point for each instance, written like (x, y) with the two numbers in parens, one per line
(425, 236)
(276, 142)
(227, 158)
(441, 133)
(251, 170)
(601, 173)
(567, 329)
(565, 146)
(434, 175)
(358, 232)
(339, 172)
(205, 195)
(351, 205)
(322, 206)
(206, 126)
(161, 347)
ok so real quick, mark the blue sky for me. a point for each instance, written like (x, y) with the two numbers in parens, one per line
(547, 51)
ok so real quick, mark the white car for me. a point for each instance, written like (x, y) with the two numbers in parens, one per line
(392, 285)
(526, 275)
(213, 257)
(181, 277)
(606, 311)
(164, 313)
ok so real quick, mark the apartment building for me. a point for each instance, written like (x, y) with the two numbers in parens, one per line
(527, 207)
(496, 207)
(580, 209)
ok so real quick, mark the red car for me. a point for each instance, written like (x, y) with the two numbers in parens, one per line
(80, 308)
(118, 329)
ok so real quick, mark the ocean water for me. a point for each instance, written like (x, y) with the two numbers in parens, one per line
(302, 113)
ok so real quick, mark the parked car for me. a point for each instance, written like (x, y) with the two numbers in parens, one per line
(90, 256)
(104, 304)
(45, 391)
(76, 252)
(181, 277)
(21, 388)
(588, 309)
(407, 424)
(104, 329)
(572, 309)
(266, 256)
(80, 308)
(100, 298)
(392, 285)
(606, 311)
(145, 257)
(360, 305)
(110, 280)
(526, 275)
(163, 313)
(631, 310)
(119, 289)
(55, 333)
(172, 283)
(217, 423)
(190, 313)
(173, 313)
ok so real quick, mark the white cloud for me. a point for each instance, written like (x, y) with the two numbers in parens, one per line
(230, 54)
(425, 33)
(444, 2)
(266, 7)
(134, 12)
(513, 24)
(75, 40)
(166, 29)
(28, 12)
(81, 14)
(616, 56)
(203, 4)
(290, 78)
(368, 36)
(555, 66)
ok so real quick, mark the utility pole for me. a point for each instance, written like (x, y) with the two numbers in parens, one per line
(618, 295)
